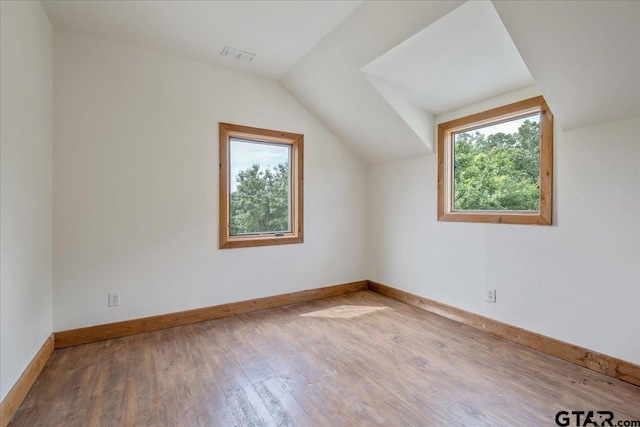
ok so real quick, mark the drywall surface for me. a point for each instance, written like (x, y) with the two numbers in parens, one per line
(26, 137)
(330, 83)
(136, 187)
(577, 281)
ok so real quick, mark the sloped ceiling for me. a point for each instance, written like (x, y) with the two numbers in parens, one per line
(377, 72)
(328, 81)
(278, 32)
(462, 58)
(583, 56)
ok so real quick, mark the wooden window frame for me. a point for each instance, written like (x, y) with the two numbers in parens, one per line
(485, 118)
(296, 141)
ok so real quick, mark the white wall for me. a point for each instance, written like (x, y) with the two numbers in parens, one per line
(25, 186)
(136, 187)
(577, 281)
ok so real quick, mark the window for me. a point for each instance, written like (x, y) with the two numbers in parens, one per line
(496, 166)
(260, 187)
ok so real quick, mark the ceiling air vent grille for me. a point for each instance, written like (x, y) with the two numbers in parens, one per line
(238, 54)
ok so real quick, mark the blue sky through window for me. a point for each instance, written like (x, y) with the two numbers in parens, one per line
(507, 127)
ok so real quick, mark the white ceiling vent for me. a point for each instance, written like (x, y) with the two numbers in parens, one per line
(238, 54)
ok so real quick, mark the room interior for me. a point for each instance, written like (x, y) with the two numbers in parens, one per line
(109, 175)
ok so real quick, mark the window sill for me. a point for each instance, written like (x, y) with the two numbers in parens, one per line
(260, 240)
(526, 218)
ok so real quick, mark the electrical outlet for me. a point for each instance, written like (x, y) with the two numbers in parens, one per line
(114, 299)
(490, 295)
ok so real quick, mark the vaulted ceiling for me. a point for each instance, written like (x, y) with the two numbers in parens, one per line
(583, 55)
(376, 73)
(279, 32)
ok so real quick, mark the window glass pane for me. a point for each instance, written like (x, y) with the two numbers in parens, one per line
(260, 181)
(497, 167)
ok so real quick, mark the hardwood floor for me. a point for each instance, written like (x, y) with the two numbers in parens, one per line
(358, 359)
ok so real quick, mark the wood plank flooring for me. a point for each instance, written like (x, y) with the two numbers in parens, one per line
(360, 359)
